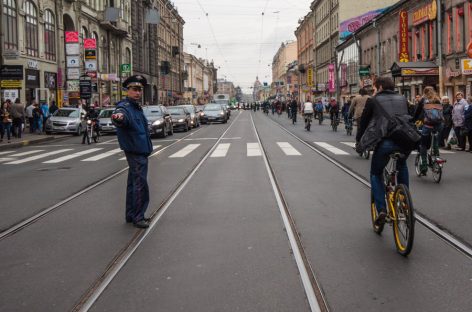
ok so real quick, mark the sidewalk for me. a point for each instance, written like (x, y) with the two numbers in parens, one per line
(26, 139)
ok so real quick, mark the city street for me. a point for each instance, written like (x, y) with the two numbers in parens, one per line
(253, 215)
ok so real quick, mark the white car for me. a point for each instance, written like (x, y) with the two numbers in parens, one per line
(65, 120)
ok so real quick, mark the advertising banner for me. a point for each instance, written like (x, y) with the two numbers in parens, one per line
(73, 73)
(90, 44)
(72, 36)
(466, 66)
(428, 12)
(309, 77)
(91, 65)
(351, 25)
(403, 49)
(331, 79)
(343, 75)
(90, 54)
(72, 49)
(73, 85)
(72, 61)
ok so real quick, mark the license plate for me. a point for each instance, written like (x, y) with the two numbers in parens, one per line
(211, 118)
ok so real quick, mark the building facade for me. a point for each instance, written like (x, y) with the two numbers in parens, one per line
(199, 80)
(305, 37)
(226, 87)
(286, 54)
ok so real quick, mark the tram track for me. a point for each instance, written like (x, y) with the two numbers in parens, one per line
(17, 227)
(92, 294)
(443, 233)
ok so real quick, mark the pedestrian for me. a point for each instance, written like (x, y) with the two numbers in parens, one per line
(134, 139)
(29, 114)
(447, 113)
(294, 110)
(18, 116)
(346, 109)
(37, 118)
(53, 108)
(468, 122)
(6, 118)
(45, 115)
(458, 120)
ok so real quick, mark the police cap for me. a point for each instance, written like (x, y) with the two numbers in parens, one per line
(135, 81)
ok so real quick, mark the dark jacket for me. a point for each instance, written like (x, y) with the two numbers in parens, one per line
(294, 106)
(468, 119)
(447, 113)
(374, 127)
(133, 132)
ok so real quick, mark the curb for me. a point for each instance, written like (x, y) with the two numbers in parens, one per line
(26, 143)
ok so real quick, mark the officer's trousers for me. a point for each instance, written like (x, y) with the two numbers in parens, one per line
(137, 190)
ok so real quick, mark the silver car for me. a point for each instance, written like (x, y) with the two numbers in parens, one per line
(106, 126)
(65, 120)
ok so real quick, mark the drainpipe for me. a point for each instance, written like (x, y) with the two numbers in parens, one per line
(378, 47)
(439, 48)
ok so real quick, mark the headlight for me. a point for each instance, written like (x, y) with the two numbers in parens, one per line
(156, 123)
(222, 113)
(89, 122)
(181, 120)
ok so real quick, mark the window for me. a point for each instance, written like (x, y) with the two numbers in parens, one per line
(127, 56)
(9, 25)
(31, 29)
(449, 38)
(49, 36)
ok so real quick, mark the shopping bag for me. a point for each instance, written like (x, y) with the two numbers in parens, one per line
(452, 139)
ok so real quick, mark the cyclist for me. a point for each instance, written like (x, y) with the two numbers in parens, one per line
(319, 107)
(307, 111)
(430, 111)
(333, 110)
(373, 133)
(357, 105)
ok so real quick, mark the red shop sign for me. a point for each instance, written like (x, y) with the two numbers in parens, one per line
(403, 50)
(90, 44)
(72, 36)
(469, 49)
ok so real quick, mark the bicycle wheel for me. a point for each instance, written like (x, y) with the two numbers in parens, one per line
(403, 220)
(417, 165)
(437, 172)
(373, 212)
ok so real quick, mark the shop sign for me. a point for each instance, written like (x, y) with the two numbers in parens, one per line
(467, 66)
(85, 86)
(11, 54)
(109, 77)
(90, 54)
(364, 70)
(50, 80)
(367, 82)
(469, 49)
(73, 73)
(73, 61)
(12, 72)
(72, 49)
(428, 12)
(125, 68)
(92, 74)
(331, 81)
(403, 50)
(72, 36)
(32, 78)
(343, 75)
(73, 86)
(90, 43)
(10, 94)
(10, 84)
(32, 64)
(74, 95)
(450, 73)
(420, 72)
(91, 65)
(321, 86)
(309, 76)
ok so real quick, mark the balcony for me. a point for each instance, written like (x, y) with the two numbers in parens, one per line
(119, 28)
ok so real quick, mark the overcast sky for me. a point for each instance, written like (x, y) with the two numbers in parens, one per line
(237, 37)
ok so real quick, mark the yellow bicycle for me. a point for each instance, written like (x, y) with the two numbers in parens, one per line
(400, 212)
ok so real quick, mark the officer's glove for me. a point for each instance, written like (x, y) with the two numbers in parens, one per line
(118, 119)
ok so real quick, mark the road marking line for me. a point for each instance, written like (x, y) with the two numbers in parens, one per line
(201, 139)
(331, 148)
(71, 156)
(253, 150)
(235, 138)
(153, 148)
(185, 151)
(6, 159)
(104, 155)
(288, 149)
(221, 150)
(3, 153)
(32, 158)
(350, 144)
(26, 153)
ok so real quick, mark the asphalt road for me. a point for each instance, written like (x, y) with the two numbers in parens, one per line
(219, 243)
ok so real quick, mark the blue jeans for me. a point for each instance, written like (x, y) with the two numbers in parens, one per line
(6, 128)
(137, 190)
(426, 139)
(380, 159)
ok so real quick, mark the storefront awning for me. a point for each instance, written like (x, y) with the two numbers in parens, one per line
(414, 69)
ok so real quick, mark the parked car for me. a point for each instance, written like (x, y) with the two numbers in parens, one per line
(194, 115)
(65, 120)
(106, 126)
(214, 112)
(180, 118)
(159, 120)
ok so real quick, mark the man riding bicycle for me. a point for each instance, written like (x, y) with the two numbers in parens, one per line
(307, 111)
(430, 112)
(333, 110)
(374, 133)
(357, 105)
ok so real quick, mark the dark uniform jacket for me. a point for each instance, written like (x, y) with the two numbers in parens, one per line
(132, 131)
(374, 127)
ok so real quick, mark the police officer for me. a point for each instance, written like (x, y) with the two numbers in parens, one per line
(133, 136)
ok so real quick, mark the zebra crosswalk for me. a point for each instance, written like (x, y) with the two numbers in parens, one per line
(222, 150)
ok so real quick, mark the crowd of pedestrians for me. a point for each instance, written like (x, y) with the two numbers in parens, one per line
(14, 118)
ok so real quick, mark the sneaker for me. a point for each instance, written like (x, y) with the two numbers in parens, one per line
(380, 221)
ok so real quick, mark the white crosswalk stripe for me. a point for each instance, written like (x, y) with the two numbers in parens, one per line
(351, 144)
(185, 151)
(4, 159)
(71, 156)
(221, 150)
(36, 157)
(288, 149)
(253, 149)
(331, 148)
(153, 148)
(7, 152)
(103, 155)
(26, 153)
